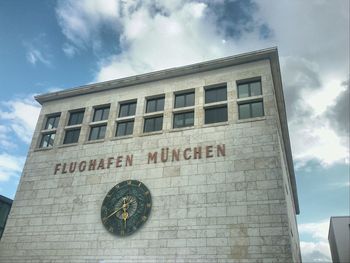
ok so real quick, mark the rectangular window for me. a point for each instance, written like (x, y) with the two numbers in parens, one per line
(154, 105)
(250, 107)
(251, 110)
(101, 114)
(97, 132)
(216, 94)
(249, 89)
(71, 136)
(125, 128)
(49, 131)
(52, 122)
(127, 109)
(217, 114)
(47, 140)
(185, 119)
(184, 100)
(76, 118)
(153, 124)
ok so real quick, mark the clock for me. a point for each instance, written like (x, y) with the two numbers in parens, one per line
(126, 207)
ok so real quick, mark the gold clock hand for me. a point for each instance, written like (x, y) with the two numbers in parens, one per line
(104, 219)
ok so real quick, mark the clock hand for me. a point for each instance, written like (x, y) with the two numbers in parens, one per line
(125, 204)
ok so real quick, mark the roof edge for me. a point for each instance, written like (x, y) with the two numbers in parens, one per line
(159, 75)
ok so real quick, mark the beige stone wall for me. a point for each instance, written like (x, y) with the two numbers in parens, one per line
(231, 208)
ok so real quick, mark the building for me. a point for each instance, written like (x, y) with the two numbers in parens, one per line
(339, 238)
(189, 164)
(5, 207)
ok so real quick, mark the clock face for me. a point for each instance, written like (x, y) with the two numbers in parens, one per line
(126, 207)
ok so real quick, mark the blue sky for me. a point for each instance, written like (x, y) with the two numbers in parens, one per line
(51, 45)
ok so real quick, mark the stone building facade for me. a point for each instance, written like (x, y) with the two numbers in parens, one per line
(209, 140)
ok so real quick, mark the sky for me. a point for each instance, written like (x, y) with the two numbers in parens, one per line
(48, 45)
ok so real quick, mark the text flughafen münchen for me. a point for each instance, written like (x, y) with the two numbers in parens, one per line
(164, 155)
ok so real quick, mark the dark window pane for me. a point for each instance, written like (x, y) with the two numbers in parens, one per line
(179, 101)
(158, 126)
(149, 123)
(52, 122)
(244, 111)
(101, 114)
(178, 120)
(124, 108)
(216, 94)
(102, 132)
(76, 118)
(125, 128)
(189, 119)
(184, 100)
(243, 90)
(160, 104)
(190, 99)
(216, 115)
(257, 109)
(47, 140)
(183, 119)
(72, 136)
(127, 109)
(129, 128)
(97, 132)
(105, 114)
(153, 124)
(94, 133)
(132, 109)
(121, 129)
(255, 88)
(156, 104)
(98, 115)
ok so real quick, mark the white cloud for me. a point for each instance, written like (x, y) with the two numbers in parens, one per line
(317, 250)
(10, 166)
(82, 20)
(34, 56)
(155, 35)
(19, 116)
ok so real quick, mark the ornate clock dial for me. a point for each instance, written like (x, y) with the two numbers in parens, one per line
(126, 207)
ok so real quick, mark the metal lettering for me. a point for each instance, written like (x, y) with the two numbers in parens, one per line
(186, 156)
(209, 151)
(152, 157)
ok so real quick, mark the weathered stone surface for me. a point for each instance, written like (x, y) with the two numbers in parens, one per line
(232, 208)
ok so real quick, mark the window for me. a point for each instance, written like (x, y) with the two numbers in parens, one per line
(126, 119)
(52, 122)
(76, 118)
(249, 89)
(47, 140)
(125, 128)
(49, 132)
(217, 114)
(216, 94)
(156, 104)
(184, 117)
(215, 107)
(154, 121)
(153, 124)
(184, 100)
(99, 123)
(250, 100)
(101, 114)
(127, 109)
(72, 130)
(97, 132)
